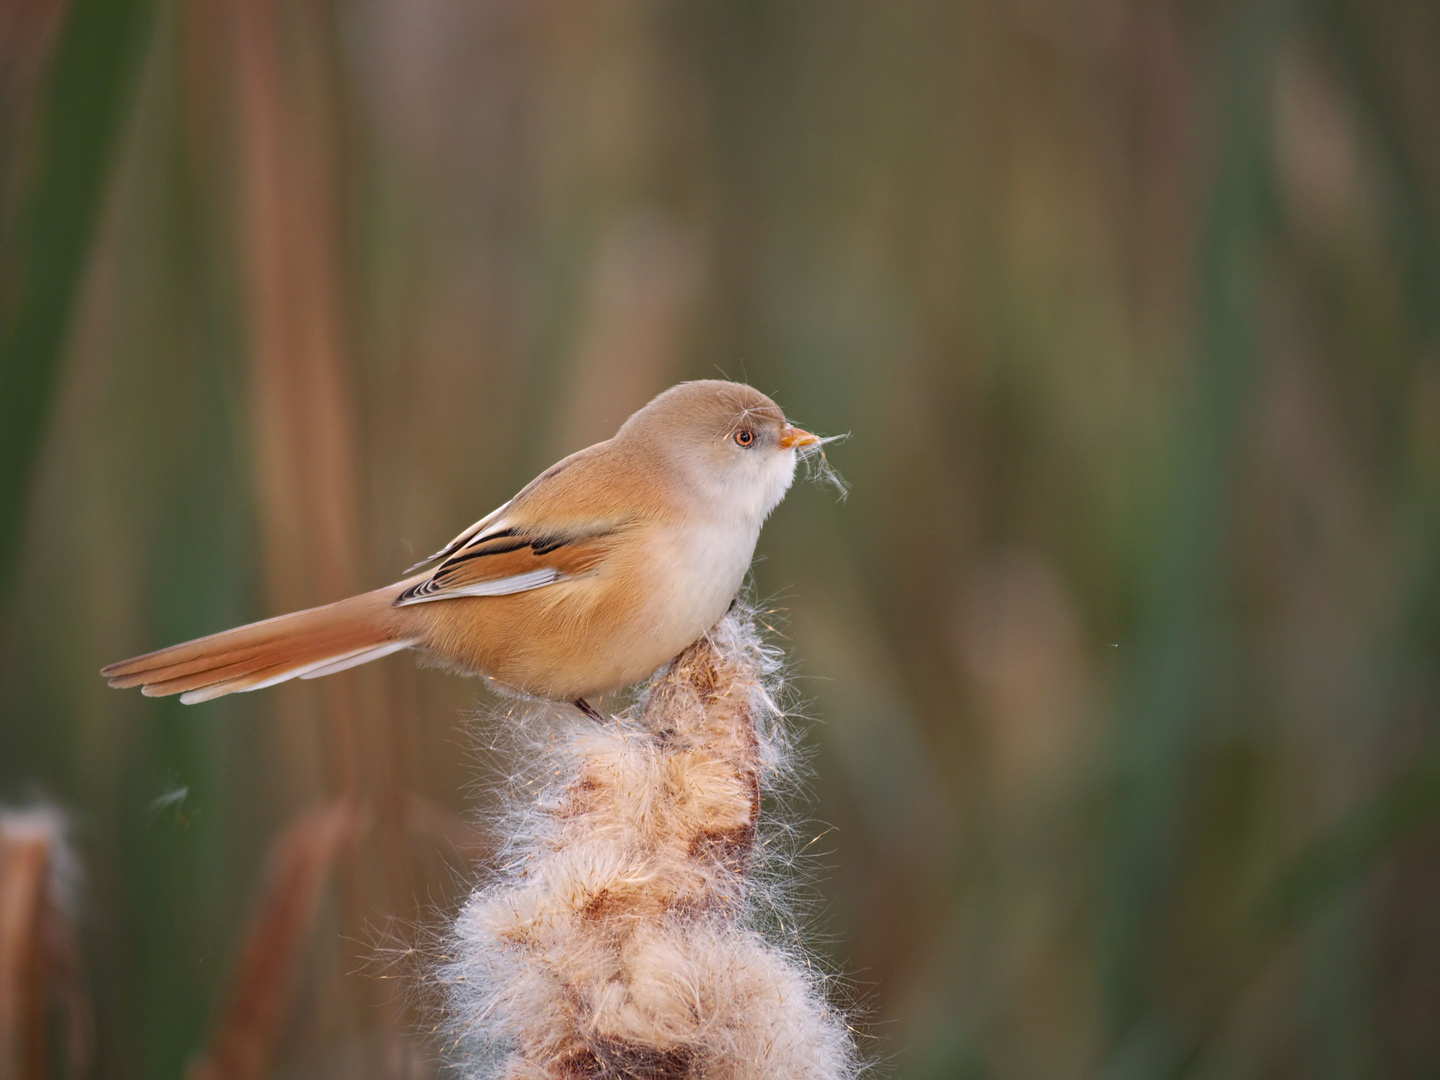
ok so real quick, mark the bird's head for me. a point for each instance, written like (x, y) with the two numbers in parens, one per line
(730, 442)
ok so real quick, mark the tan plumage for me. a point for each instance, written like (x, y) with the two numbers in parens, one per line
(600, 570)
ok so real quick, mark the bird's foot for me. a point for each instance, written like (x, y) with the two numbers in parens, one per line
(588, 709)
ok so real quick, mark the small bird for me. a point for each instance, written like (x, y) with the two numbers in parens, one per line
(600, 570)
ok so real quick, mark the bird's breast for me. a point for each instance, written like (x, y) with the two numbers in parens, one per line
(700, 568)
(658, 592)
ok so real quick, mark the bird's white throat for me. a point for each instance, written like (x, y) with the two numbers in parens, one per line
(714, 554)
(749, 491)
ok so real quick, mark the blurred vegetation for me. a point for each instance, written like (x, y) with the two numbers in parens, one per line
(1123, 649)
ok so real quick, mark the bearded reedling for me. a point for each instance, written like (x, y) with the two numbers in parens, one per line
(600, 570)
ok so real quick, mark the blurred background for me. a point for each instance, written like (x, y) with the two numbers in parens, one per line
(1121, 656)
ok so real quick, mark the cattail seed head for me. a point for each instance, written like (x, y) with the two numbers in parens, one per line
(620, 935)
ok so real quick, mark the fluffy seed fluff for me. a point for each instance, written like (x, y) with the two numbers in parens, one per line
(621, 934)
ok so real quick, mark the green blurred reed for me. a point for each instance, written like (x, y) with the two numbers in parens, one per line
(82, 106)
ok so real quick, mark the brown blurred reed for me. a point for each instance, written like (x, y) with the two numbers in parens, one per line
(46, 1024)
(260, 999)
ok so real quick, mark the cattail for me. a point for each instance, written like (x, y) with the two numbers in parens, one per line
(40, 972)
(621, 933)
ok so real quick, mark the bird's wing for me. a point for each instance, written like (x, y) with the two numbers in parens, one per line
(489, 523)
(516, 517)
(511, 560)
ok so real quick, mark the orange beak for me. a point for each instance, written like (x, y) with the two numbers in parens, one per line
(794, 436)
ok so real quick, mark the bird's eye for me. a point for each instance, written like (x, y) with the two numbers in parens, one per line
(744, 437)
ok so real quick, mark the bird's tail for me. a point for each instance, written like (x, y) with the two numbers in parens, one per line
(304, 644)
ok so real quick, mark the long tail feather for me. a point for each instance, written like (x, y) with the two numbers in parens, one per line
(304, 644)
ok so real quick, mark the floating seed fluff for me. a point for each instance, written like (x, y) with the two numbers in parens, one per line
(619, 936)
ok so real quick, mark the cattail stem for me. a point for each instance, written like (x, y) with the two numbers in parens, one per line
(620, 938)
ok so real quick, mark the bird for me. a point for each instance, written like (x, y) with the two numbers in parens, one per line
(595, 575)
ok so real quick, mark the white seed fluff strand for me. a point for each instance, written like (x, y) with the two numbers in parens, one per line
(618, 936)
